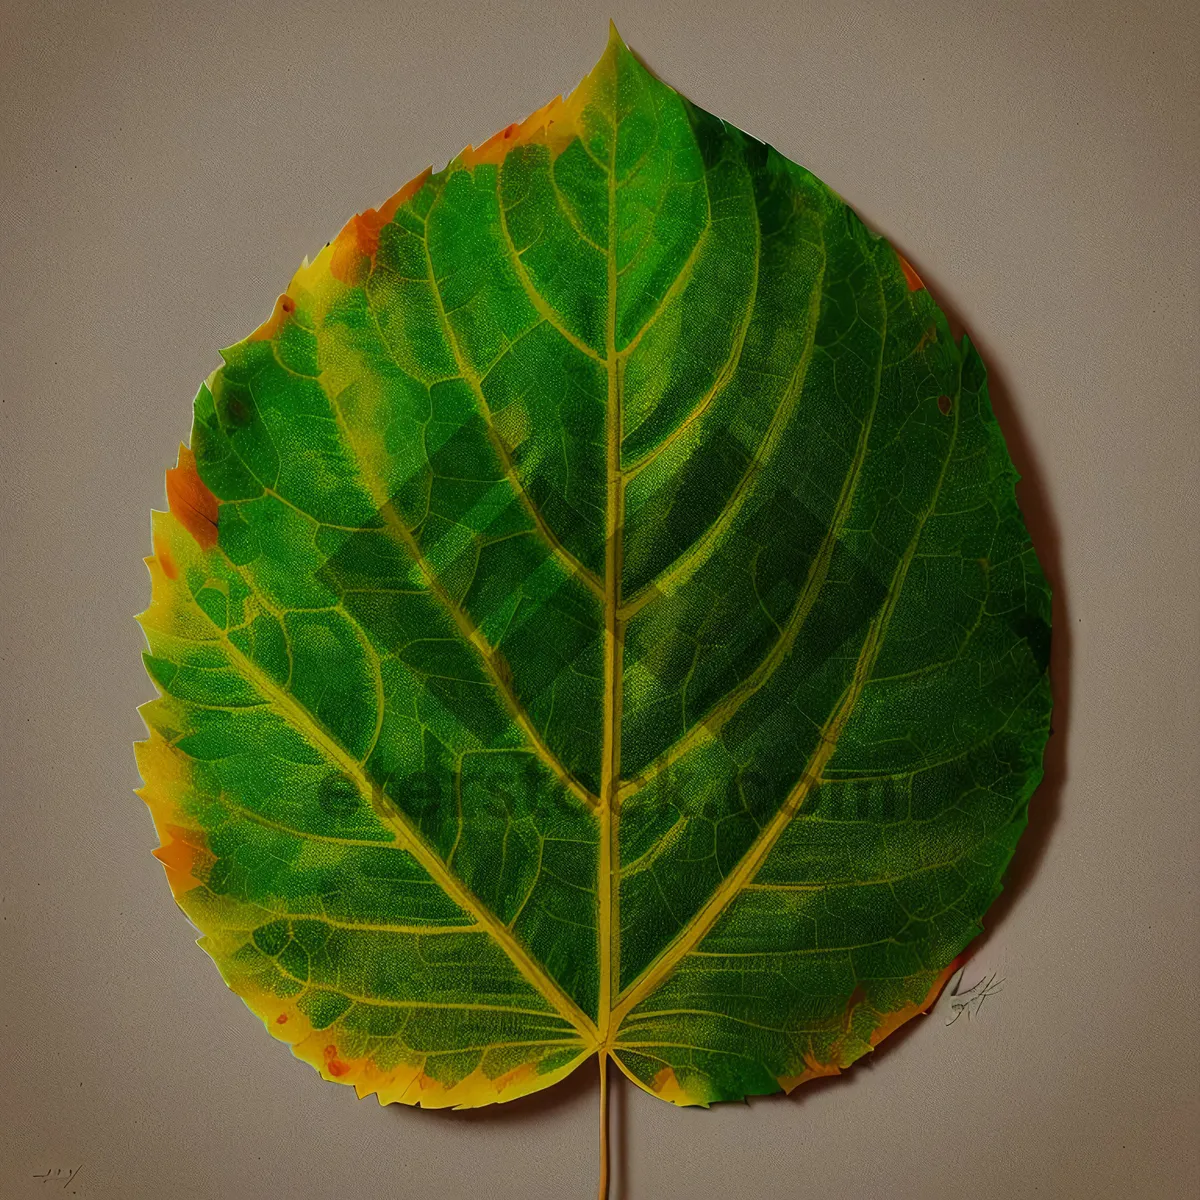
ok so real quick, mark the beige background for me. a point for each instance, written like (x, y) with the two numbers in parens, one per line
(162, 171)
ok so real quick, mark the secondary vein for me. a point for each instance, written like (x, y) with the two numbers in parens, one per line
(684, 567)
(472, 380)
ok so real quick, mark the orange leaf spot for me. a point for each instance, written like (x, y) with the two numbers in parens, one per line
(534, 129)
(495, 148)
(333, 1064)
(667, 1086)
(284, 307)
(893, 1021)
(357, 242)
(914, 280)
(192, 504)
(163, 554)
(281, 1019)
(178, 857)
(359, 238)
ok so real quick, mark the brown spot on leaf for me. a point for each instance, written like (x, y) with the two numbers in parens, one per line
(285, 306)
(190, 501)
(281, 1019)
(944, 405)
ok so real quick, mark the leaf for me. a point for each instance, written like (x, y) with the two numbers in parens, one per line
(594, 616)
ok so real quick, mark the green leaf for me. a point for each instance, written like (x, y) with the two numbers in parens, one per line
(594, 616)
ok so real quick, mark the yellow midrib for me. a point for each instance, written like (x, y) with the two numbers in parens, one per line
(608, 921)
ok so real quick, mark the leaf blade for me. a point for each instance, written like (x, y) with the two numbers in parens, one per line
(597, 509)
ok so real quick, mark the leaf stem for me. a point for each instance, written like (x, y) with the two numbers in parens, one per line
(603, 1194)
